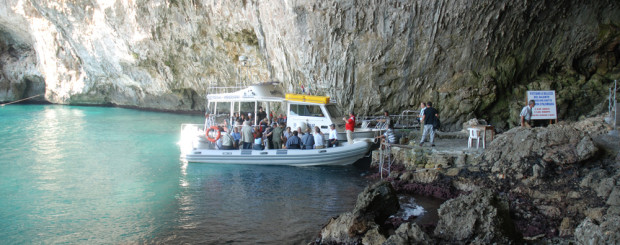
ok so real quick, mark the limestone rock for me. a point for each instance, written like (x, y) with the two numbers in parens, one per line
(481, 216)
(614, 197)
(521, 152)
(592, 125)
(337, 229)
(472, 58)
(425, 176)
(374, 205)
(377, 202)
(373, 236)
(592, 232)
(408, 233)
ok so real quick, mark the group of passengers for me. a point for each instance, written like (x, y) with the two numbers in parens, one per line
(238, 119)
(239, 134)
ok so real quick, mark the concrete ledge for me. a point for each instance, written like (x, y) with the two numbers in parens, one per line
(446, 153)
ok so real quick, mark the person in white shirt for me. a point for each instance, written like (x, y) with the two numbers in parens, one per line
(421, 116)
(333, 136)
(318, 138)
(526, 114)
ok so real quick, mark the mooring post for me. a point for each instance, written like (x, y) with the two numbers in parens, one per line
(614, 132)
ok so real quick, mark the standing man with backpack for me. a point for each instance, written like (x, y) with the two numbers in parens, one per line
(431, 121)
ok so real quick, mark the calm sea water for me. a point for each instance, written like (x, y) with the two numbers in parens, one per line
(73, 174)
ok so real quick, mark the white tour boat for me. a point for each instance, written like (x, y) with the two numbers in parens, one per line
(302, 111)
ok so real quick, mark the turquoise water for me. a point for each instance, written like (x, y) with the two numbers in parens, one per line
(72, 174)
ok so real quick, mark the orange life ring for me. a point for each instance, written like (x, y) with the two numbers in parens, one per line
(217, 130)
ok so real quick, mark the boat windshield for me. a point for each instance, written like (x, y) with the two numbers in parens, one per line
(306, 110)
(333, 111)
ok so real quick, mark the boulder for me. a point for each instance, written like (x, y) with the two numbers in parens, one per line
(481, 216)
(374, 205)
(614, 197)
(592, 232)
(522, 152)
(373, 236)
(593, 125)
(408, 233)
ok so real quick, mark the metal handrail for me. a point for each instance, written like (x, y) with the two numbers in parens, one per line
(407, 119)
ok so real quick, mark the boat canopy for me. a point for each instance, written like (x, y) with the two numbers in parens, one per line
(259, 92)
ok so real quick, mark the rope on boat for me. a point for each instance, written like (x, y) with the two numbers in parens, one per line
(21, 100)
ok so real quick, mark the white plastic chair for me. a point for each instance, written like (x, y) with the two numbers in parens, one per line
(474, 134)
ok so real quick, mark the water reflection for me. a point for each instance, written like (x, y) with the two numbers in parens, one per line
(262, 204)
(109, 175)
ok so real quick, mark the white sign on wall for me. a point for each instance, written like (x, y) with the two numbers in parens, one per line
(545, 107)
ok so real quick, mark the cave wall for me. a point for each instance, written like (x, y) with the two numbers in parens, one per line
(471, 58)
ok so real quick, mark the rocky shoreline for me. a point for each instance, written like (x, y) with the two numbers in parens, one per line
(557, 184)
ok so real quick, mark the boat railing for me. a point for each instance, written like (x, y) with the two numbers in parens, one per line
(217, 120)
(223, 89)
(407, 119)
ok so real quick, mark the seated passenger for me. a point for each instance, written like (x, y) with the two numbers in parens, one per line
(333, 136)
(236, 136)
(307, 140)
(318, 138)
(293, 142)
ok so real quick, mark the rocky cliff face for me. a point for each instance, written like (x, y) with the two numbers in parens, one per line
(473, 59)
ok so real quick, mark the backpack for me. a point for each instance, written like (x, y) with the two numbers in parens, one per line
(436, 124)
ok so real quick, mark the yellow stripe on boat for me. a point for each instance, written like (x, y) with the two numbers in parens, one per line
(308, 98)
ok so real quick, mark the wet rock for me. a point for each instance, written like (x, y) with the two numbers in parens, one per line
(480, 216)
(408, 233)
(374, 205)
(605, 232)
(521, 152)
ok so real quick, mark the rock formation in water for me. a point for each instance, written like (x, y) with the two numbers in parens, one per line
(472, 58)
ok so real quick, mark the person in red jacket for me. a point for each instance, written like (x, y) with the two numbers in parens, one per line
(349, 127)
